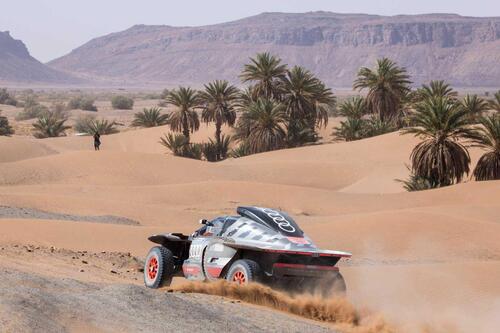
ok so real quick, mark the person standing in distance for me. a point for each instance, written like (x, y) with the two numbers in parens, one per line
(97, 141)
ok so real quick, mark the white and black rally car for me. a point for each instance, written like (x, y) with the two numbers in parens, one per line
(260, 244)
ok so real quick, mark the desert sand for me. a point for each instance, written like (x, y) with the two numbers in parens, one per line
(426, 261)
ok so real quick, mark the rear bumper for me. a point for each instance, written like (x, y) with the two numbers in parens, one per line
(284, 270)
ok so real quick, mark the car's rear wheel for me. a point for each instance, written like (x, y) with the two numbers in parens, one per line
(243, 271)
(159, 267)
(334, 286)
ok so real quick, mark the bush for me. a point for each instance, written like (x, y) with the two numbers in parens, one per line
(416, 183)
(91, 125)
(151, 117)
(120, 102)
(5, 128)
(240, 151)
(82, 103)
(179, 145)
(6, 98)
(354, 129)
(32, 110)
(214, 152)
(82, 123)
(49, 125)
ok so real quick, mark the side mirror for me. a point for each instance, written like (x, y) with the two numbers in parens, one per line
(203, 221)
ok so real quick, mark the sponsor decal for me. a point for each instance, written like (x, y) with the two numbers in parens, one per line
(298, 240)
(279, 219)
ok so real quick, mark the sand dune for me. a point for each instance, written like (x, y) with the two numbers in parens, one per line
(344, 195)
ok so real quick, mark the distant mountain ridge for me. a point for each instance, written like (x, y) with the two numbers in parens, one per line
(462, 50)
(18, 66)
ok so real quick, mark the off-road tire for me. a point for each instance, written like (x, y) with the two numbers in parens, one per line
(244, 271)
(334, 286)
(159, 267)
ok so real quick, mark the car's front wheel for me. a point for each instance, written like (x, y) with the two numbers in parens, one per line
(159, 267)
(244, 271)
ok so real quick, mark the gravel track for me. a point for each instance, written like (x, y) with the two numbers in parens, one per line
(33, 303)
(32, 213)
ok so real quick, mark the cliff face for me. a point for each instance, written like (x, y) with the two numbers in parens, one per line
(462, 50)
(18, 66)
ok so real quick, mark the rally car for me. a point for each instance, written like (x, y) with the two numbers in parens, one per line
(259, 245)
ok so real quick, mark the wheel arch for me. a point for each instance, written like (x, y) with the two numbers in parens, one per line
(177, 243)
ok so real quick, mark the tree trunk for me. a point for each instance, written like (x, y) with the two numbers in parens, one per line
(185, 128)
(218, 126)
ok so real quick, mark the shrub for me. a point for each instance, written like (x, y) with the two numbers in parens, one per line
(150, 118)
(50, 124)
(374, 126)
(32, 110)
(6, 98)
(240, 151)
(82, 123)
(5, 128)
(350, 130)
(179, 145)
(122, 102)
(82, 103)
(416, 183)
(214, 152)
(91, 125)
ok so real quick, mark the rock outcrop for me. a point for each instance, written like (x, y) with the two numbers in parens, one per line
(462, 50)
(18, 66)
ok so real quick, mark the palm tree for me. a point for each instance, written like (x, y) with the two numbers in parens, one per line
(436, 89)
(185, 118)
(151, 117)
(440, 157)
(353, 108)
(219, 102)
(474, 106)
(262, 126)
(387, 87)
(307, 102)
(495, 102)
(488, 138)
(266, 71)
(50, 125)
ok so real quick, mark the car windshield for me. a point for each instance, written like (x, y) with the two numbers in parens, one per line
(274, 219)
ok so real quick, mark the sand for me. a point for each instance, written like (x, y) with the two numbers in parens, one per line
(425, 260)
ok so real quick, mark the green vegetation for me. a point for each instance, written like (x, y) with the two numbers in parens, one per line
(495, 102)
(90, 124)
(120, 102)
(6, 98)
(32, 108)
(179, 145)
(440, 158)
(487, 137)
(184, 118)
(5, 128)
(219, 100)
(435, 89)
(474, 106)
(266, 72)
(151, 117)
(388, 86)
(50, 124)
(84, 103)
(262, 126)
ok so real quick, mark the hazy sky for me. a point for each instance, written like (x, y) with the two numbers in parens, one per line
(52, 28)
